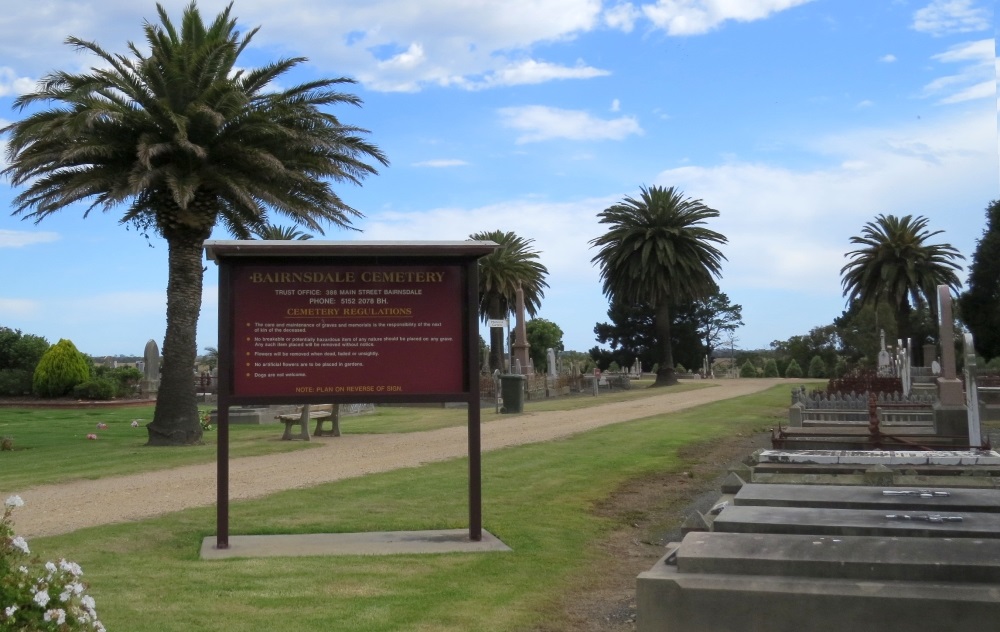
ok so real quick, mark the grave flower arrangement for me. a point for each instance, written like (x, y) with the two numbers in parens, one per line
(33, 596)
(206, 421)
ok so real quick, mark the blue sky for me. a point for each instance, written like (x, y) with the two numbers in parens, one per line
(798, 120)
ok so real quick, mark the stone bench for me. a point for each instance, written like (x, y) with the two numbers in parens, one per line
(304, 414)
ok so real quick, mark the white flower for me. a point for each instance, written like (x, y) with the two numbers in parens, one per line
(50, 567)
(88, 602)
(99, 626)
(56, 614)
(14, 501)
(42, 598)
(23, 569)
(71, 567)
(20, 543)
(9, 611)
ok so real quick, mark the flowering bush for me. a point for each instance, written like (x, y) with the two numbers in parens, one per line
(102, 426)
(206, 421)
(92, 436)
(40, 597)
(135, 423)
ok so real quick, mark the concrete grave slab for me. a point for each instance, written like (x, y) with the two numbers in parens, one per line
(892, 499)
(818, 521)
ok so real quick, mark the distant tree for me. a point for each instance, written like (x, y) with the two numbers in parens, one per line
(60, 369)
(186, 137)
(19, 355)
(715, 317)
(211, 357)
(632, 334)
(514, 264)
(821, 341)
(980, 304)
(859, 330)
(793, 369)
(771, 368)
(841, 368)
(542, 335)
(657, 251)
(817, 368)
(578, 359)
(895, 264)
(602, 358)
(748, 369)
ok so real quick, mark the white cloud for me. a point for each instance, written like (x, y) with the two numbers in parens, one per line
(21, 238)
(976, 77)
(616, 105)
(10, 83)
(389, 45)
(622, 17)
(16, 308)
(561, 230)
(696, 17)
(888, 59)
(788, 229)
(441, 162)
(944, 17)
(538, 123)
(533, 72)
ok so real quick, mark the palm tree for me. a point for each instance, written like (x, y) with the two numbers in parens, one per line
(658, 252)
(185, 138)
(514, 264)
(896, 265)
(275, 232)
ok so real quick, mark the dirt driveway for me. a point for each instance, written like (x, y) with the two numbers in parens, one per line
(55, 509)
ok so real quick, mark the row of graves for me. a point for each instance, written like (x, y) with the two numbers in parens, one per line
(873, 511)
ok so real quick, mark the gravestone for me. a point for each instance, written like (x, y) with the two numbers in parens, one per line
(519, 348)
(550, 357)
(884, 359)
(150, 383)
(950, 415)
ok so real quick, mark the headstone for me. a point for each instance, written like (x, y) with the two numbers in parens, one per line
(550, 356)
(151, 371)
(971, 392)
(949, 386)
(884, 360)
(520, 346)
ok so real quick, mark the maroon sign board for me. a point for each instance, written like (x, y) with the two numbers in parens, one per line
(331, 322)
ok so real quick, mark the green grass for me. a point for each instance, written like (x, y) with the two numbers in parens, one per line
(51, 445)
(537, 498)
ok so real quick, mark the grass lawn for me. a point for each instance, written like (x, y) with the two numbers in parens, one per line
(537, 498)
(51, 445)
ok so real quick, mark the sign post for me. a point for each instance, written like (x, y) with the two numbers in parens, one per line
(348, 322)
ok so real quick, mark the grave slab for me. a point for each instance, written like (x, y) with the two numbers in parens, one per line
(883, 457)
(670, 601)
(818, 521)
(892, 499)
(841, 557)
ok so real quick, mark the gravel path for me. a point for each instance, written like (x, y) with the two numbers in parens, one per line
(55, 509)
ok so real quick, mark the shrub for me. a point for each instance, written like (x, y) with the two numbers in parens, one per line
(37, 596)
(60, 369)
(840, 369)
(125, 378)
(97, 388)
(793, 369)
(6, 444)
(771, 368)
(679, 368)
(15, 382)
(748, 369)
(817, 368)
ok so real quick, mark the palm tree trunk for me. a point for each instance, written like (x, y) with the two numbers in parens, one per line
(665, 374)
(175, 421)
